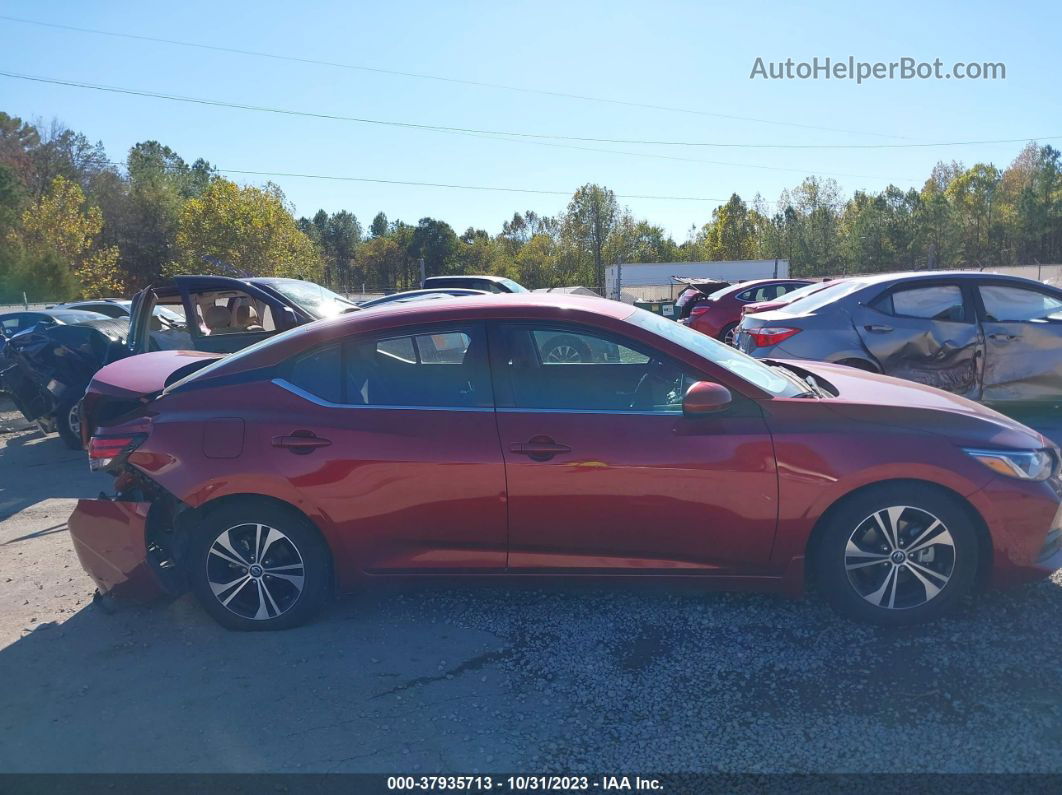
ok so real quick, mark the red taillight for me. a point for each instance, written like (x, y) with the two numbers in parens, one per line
(102, 450)
(767, 336)
(698, 310)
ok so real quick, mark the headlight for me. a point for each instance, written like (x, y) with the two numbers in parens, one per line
(1024, 464)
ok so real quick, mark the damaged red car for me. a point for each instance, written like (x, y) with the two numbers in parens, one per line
(437, 438)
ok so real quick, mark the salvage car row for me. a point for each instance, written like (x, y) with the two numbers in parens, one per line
(546, 435)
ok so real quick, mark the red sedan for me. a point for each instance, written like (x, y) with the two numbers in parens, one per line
(436, 438)
(719, 314)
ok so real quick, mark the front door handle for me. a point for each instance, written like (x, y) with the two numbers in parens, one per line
(301, 442)
(540, 448)
(877, 328)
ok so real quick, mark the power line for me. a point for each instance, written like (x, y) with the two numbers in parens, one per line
(442, 184)
(537, 136)
(439, 78)
(657, 156)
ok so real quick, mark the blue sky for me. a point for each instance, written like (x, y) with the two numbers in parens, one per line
(692, 55)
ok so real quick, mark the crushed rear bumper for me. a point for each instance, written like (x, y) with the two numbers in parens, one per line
(110, 540)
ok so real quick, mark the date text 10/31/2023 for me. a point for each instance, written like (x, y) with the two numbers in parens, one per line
(525, 783)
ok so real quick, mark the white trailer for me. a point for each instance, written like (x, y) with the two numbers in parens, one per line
(656, 281)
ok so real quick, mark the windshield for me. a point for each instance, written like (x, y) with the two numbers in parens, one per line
(315, 299)
(78, 316)
(826, 295)
(738, 363)
(513, 286)
(168, 315)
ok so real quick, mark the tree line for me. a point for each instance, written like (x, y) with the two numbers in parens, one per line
(74, 223)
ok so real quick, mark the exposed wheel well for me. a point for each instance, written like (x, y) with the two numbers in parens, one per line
(984, 566)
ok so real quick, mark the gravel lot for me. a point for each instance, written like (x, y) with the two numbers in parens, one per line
(444, 677)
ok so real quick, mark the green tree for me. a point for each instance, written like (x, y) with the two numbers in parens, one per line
(59, 227)
(436, 242)
(589, 222)
(249, 227)
(379, 226)
(972, 194)
(731, 233)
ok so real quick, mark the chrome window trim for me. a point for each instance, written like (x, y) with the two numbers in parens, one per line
(511, 410)
(312, 398)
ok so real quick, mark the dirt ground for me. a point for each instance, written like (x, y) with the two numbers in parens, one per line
(452, 677)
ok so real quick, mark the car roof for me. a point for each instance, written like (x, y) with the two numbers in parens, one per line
(454, 278)
(58, 311)
(93, 301)
(547, 307)
(899, 276)
(742, 286)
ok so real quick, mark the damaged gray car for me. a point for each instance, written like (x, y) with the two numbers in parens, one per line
(988, 337)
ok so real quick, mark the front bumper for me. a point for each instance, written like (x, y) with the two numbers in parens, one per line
(110, 541)
(1025, 523)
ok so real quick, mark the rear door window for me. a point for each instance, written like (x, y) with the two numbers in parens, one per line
(1016, 304)
(433, 368)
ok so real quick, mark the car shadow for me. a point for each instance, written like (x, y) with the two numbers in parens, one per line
(35, 467)
(440, 676)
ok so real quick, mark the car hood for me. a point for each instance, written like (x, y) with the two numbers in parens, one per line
(883, 400)
(147, 373)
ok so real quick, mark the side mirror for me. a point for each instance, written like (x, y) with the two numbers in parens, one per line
(288, 318)
(705, 397)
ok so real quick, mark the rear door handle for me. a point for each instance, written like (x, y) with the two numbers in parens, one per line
(301, 442)
(540, 448)
(999, 337)
(878, 329)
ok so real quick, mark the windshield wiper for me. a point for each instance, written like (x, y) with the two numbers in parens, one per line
(806, 390)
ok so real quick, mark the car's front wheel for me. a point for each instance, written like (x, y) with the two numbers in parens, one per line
(897, 555)
(257, 566)
(68, 423)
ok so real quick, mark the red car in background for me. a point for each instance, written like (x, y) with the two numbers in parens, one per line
(719, 314)
(788, 298)
(437, 438)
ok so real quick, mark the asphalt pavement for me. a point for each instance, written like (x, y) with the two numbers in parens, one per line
(444, 676)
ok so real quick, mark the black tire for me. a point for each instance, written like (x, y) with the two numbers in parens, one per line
(566, 349)
(856, 579)
(727, 332)
(300, 551)
(68, 423)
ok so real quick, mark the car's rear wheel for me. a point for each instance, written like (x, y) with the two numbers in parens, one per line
(897, 555)
(728, 333)
(256, 566)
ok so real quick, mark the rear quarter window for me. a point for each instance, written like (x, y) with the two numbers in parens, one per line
(319, 373)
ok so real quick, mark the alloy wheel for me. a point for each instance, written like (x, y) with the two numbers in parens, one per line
(73, 419)
(900, 557)
(255, 571)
